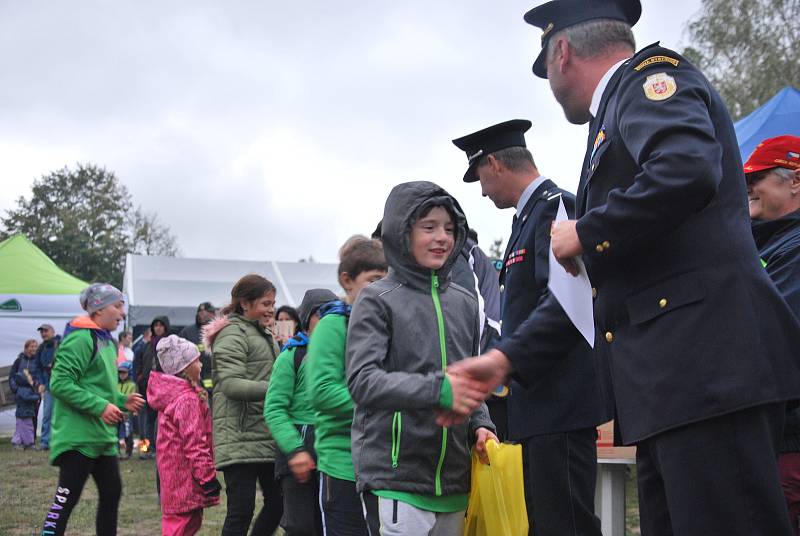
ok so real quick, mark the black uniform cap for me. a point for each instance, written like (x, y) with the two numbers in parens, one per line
(489, 140)
(559, 14)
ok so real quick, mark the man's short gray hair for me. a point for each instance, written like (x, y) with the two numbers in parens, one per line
(513, 158)
(594, 38)
(783, 173)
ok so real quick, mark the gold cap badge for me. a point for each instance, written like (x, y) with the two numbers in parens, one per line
(547, 30)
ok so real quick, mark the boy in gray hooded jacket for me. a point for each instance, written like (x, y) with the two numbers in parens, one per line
(404, 330)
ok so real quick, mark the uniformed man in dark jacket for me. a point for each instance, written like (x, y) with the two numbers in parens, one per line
(555, 418)
(701, 351)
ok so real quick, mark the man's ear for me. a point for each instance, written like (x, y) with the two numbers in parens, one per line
(493, 163)
(796, 182)
(562, 54)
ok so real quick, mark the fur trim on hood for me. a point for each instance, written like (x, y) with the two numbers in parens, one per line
(212, 329)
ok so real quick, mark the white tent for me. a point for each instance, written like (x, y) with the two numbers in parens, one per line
(33, 291)
(174, 286)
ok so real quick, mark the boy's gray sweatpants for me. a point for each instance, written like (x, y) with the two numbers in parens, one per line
(401, 519)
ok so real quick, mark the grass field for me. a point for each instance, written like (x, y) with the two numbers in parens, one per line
(28, 483)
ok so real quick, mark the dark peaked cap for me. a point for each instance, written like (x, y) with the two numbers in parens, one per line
(559, 14)
(489, 140)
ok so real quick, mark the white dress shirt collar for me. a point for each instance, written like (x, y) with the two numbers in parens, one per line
(601, 87)
(528, 192)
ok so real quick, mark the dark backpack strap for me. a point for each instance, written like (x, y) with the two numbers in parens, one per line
(95, 348)
(299, 355)
(94, 345)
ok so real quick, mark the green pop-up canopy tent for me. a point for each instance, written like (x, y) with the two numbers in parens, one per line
(33, 291)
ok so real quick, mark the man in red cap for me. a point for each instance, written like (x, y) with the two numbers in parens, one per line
(773, 190)
(773, 178)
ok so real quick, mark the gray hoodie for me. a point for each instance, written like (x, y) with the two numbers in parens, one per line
(403, 331)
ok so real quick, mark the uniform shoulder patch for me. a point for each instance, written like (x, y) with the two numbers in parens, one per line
(652, 60)
(659, 87)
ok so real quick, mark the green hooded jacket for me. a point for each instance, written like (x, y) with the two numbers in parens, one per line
(82, 386)
(243, 353)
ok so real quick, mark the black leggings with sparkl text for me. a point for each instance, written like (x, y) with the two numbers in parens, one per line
(75, 469)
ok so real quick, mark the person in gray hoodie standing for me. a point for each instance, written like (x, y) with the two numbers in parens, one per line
(414, 475)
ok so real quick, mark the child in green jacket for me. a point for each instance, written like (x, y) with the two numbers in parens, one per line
(290, 417)
(361, 263)
(126, 386)
(86, 411)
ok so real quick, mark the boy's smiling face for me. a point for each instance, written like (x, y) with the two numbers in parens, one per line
(432, 238)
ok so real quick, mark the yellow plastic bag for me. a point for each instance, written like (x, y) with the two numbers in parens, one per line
(497, 496)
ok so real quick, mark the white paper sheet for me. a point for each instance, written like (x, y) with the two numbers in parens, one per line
(573, 293)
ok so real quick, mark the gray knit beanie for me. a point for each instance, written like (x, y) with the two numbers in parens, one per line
(99, 295)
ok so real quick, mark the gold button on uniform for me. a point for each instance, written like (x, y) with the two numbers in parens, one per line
(599, 248)
(594, 292)
(606, 244)
(609, 336)
(662, 302)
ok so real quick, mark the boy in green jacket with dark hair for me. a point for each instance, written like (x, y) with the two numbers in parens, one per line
(290, 418)
(361, 263)
(86, 411)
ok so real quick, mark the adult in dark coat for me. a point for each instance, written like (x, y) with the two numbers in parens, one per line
(194, 333)
(143, 364)
(555, 418)
(700, 349)
(474, 271)
(45, 355)
(773, 189)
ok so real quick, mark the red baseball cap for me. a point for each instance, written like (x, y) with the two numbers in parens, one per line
(782, 151)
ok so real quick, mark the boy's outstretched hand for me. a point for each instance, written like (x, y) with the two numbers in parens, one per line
(134, 403)
(482, 435)
(476, 377)
(468, 393)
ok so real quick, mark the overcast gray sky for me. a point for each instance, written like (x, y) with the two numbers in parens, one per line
(274, 130)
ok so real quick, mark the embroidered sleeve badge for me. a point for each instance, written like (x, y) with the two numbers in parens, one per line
(652, 60)
(659, 87)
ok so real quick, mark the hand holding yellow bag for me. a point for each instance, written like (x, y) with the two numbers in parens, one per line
(497, 495)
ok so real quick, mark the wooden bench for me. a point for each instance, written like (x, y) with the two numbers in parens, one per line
(6, 396)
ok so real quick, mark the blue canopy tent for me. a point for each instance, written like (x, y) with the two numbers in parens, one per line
(777, 117)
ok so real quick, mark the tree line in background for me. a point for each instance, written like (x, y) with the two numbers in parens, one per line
(747, 49)
(85, 221)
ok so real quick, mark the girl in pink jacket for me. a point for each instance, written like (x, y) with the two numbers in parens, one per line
(184, 446)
